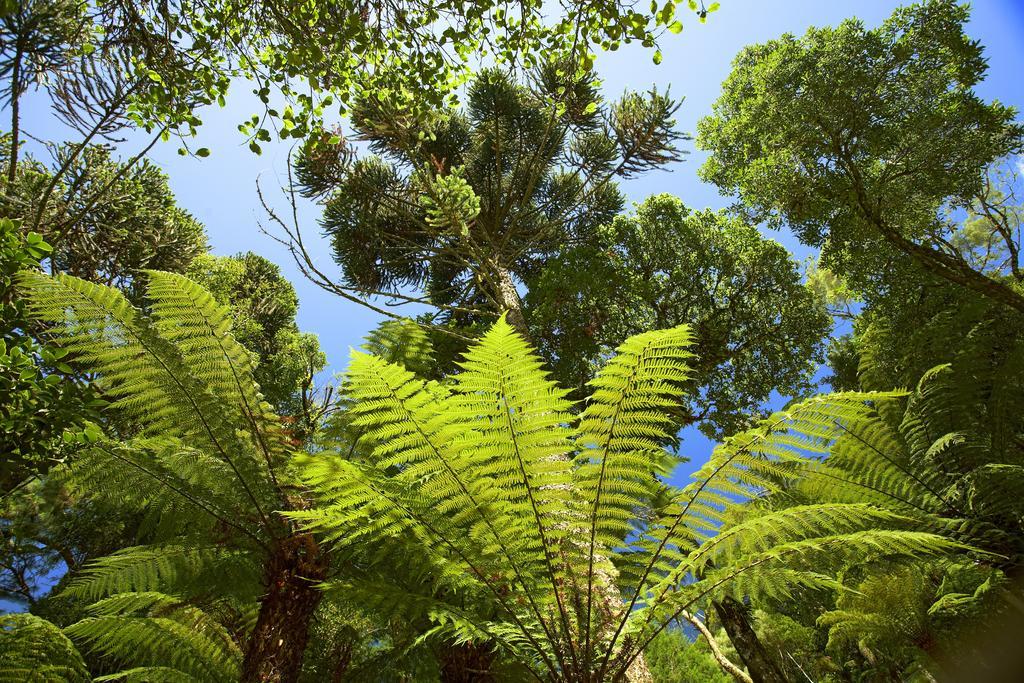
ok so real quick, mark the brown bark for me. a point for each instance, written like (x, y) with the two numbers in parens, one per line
(12, 164)
(467, 663)
(342, 661)
(760, 665)
(939, 263)
(953, 269)
(278, 642)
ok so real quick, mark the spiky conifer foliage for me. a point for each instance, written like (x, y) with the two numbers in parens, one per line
(500, 493)
(457, 208)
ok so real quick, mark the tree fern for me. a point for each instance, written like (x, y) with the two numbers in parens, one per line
(509, 496)
(208, 465)
(945, 456)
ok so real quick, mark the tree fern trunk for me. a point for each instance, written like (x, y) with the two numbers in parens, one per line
(467, 663)
(278, 642)
(759, 663)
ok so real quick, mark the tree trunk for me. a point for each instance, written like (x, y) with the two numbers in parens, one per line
(760, 665)
(467, 663)
(342, 656)
(738, 674)
(952, 269)
(12, 163)
(933, 260)
(510, 302)
(277, 644)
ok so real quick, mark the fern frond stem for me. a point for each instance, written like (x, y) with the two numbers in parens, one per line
(247, 409)
(665, 539)
(540, 523)
(900, 467)
(220, 517)
(477, 508)
(593, 514)
(479, 574)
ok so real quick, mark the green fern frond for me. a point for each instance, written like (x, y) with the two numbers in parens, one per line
(502, 493)
(158, 630)
(149, 674)
(167, 568)
(623, 430)
(143, 372)
(178, 489)
(514, 438)
(189, 317)
(34, 650)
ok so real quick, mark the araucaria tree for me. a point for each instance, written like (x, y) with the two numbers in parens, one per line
(462, 207)
(512, 206)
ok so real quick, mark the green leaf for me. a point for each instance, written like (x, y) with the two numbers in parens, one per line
(202, 152)
(675, 27)
(657, 57)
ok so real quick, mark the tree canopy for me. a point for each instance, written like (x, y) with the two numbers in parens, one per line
(494, 487)
(861, 139)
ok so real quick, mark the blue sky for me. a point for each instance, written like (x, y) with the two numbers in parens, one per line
(220, 190)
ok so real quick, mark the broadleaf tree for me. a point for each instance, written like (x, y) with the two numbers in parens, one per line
(862, 140)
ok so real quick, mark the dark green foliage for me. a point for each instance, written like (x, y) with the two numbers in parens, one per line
(949, 453)
(757, 328)
(35, 651)
(41, 401)
(305, 59)
(107, 221)
(672, 658)
(263, 307)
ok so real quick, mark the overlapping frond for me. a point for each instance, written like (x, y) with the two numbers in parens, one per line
(514, 436)
(33, 649)
(157, 633)
(200, 328)
(144, 373)
(212, 570)
(177, 489)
